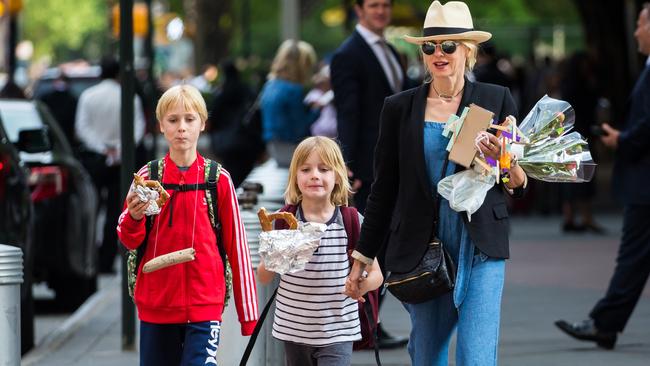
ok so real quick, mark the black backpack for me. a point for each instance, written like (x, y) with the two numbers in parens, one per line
(212, 173)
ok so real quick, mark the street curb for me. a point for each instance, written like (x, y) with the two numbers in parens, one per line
(58, 337)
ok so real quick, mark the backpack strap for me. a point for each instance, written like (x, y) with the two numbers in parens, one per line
(352, 226)
(352, 229)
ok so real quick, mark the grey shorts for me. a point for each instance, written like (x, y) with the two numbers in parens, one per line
(339, 354)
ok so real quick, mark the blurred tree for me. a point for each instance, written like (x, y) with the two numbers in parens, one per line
(214, 24)
(63, 30)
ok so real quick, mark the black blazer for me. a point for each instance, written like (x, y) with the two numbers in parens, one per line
(401, 200)
(360, 87)
(632, 167)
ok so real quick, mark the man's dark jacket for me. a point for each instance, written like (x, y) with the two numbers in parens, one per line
(360, 87)
(632, 167)
(401, 201)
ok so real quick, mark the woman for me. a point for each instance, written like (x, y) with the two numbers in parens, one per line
(285, 118)
(401, 203)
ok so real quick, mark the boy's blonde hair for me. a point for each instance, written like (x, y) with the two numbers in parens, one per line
(331, 155)
(188, 96)
(294, 61)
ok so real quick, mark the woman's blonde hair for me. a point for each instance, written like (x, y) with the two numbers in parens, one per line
(470, 61)
(294, 61)
(330, 153)
(187, 96)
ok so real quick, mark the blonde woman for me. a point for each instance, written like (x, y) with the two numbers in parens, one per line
(410, 159)
(285, 118)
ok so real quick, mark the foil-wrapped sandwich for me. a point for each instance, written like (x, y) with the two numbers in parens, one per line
(150, 191)
(288, 251)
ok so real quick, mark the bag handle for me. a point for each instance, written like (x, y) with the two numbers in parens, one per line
(256, 331)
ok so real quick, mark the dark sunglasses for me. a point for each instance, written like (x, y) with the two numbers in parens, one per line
(447, 47)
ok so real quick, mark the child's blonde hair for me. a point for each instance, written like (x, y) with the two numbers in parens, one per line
(331, 155)
(188, 96)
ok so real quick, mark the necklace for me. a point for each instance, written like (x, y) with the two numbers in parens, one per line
(446, 97)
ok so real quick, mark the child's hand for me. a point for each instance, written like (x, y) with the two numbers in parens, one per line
(264, 275)
(135, 206)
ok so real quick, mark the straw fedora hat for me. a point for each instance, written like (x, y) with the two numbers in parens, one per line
(451, 21)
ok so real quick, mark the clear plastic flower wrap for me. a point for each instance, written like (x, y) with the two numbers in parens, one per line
(146, 194)
(549, 118)
(544, 148)
(565, 159)
(288, 251)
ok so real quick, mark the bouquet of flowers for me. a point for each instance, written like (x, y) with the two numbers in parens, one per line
(543, 145)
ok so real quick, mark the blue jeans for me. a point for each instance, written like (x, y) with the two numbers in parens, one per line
(179, 344)
(477, 319)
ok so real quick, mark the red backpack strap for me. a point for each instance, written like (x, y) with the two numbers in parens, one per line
(281, 224)
(352, 226)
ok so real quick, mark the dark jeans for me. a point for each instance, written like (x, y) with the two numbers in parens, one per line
(613, 311)
(190, 344)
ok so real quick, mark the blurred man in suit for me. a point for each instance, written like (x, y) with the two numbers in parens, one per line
(631, 175)
(364, 70)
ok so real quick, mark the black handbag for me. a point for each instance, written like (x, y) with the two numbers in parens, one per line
(433, 276)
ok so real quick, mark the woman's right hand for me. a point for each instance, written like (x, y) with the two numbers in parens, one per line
(352, 288)
(135, 206)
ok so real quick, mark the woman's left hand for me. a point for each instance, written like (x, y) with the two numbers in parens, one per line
(490, 147)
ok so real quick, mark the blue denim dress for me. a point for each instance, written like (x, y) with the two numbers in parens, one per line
(451, 229)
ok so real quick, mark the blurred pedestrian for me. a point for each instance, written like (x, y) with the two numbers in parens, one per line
(487, 67)
(235, 145)
(98, 127)
(365, 70)
(630, 179)
(62, 103)
(285, 118)
(180, 307)
(323, 95)
(578, 86)
(411, 158)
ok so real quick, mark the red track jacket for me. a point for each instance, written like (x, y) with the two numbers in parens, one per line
(192, 291)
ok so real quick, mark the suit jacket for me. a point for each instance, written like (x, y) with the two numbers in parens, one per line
(632, 167)
(360, 87)
(401, 202)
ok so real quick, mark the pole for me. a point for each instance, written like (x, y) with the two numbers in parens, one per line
(127, 77)
(290, 19)
(246, 28)
(150, 90)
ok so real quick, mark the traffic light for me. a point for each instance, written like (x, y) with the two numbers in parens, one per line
(140, 24)
(13, 7)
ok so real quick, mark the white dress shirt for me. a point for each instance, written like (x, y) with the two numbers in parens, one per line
(374, 41)
(98, 121)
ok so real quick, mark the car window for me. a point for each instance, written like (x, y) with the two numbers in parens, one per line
(17, 117)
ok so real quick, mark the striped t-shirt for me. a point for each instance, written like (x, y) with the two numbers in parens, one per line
(310, 307)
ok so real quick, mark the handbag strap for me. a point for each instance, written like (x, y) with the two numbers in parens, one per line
(437, 198)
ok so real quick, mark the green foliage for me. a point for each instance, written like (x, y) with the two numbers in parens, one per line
(64, 29)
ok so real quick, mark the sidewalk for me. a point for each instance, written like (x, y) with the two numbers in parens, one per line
(550, 276)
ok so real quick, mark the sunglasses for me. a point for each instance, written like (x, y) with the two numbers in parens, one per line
(447, 47)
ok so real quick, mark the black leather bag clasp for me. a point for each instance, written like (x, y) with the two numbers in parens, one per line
(434, 275)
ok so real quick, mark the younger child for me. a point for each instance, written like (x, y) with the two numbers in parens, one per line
(180, 306)
(316, 321)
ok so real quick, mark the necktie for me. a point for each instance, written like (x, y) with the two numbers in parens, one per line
(394, 75)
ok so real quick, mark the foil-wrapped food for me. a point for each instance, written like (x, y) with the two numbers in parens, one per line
(150, 191)
(288, 251)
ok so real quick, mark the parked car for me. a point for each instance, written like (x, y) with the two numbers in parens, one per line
(16, 215)
(80, 78)
(64, 200)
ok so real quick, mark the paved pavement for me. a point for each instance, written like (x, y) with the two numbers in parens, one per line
(550, 276)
